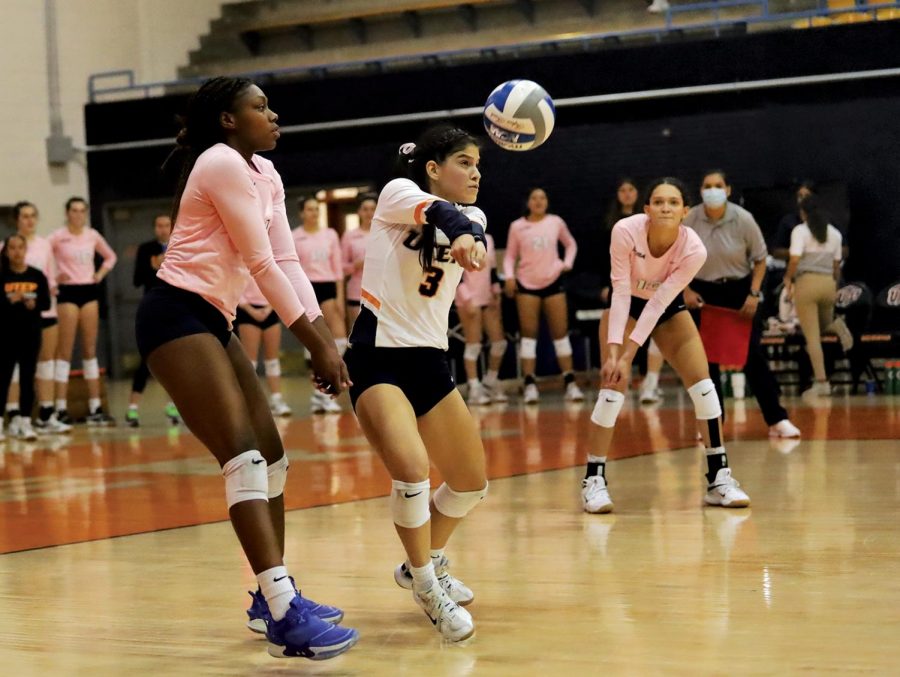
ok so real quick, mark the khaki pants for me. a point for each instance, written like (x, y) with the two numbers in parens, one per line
(814, 300)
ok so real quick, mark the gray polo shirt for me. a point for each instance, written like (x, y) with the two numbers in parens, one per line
(733, 244)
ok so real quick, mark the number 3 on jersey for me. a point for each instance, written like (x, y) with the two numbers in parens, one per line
(431, 281)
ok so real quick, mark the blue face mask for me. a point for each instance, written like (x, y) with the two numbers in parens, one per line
(714, 197)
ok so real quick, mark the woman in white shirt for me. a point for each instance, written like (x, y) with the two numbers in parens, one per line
(811, 280)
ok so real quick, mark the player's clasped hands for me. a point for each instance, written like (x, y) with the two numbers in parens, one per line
(331, 376)
(614, 372)
(468, 252)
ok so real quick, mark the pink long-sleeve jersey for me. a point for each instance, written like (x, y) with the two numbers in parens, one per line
(353, 249)
(74, 255)
(534, 245)
(476, 287)
(635, 272)
(320, 254)
(253, 295)
(231, 225)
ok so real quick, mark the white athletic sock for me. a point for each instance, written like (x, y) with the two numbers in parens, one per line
(490, 378)
(278, 590)
(60, 405)
(277, 397)
(132, 407)
(423, 577)
(436, 555)
(12, 406)
(473, 382)
(46, 404)
(651, 380)
(93, 404)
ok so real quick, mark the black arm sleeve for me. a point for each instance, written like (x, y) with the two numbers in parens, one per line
(454, 223)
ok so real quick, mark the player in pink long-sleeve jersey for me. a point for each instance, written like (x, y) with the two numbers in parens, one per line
(39, 255)
(532, 269)
(478, 304)
(74, 248)
(320, 255)
(257, 322)
(653, 258)
(231, 225)
(353, 249)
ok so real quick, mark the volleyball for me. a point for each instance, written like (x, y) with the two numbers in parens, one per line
(519, 115)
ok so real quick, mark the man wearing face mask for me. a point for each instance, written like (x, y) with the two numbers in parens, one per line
(732, 277)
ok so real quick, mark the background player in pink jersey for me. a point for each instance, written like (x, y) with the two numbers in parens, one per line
(478, 304)
(532, 268)
(230, 225)
(39, 255)
(320, 255)
(653, 258)
(257, 322)
(353, 248)
(74, 248)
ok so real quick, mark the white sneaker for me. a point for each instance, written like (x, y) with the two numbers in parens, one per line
(531, 394)
(650, 395)
(14, 430)
(280, 407)
(330, 405)
(53, 426)
(818, 389)
(451, 620)
(844, 335)
(595, 495)
(477, 395)
(573, 393)
(455, 588)
(2, 436)
(658, 6)
(317, 403)
(726, 491)
(24, 431)
(784, 428)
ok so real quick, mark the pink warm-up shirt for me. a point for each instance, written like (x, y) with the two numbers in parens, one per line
(635, 272)
(232, 225)
(74, 255)
(253, 295)
(320, 254)
(534, 245)
(353, 249)
(39, 254)
(476, 288)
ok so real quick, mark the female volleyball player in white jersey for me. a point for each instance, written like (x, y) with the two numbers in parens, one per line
(653, 258)
(403, 393)
(230, 225)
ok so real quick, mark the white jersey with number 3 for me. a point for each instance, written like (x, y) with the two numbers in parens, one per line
(410, 305)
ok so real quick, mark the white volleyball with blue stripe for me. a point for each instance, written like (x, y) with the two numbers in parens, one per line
(519, 115)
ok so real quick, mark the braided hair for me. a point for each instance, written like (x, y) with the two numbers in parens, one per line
(201, 128)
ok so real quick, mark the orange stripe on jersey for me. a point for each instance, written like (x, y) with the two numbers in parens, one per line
(419, 214)
(371, 299)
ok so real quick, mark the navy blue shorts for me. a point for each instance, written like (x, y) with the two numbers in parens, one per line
(677, 305)
(167, 313)
(244, 318)
(47, 322)
(423, 374)
(551, 289)
(79, 294)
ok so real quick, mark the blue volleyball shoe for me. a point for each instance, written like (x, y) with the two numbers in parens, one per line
(301, 635)
(258, 613)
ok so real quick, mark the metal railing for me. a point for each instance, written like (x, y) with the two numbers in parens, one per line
(98, 87)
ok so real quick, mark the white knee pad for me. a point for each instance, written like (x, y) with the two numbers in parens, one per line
(15, 374)
(91, 369)
(653, 349)
(61, 371)
(606, 411)
(706, 402)
(277, 473)
(409, 503)
(563, 347)
(246, 478)
(498, 348)
(457, 504)
(44, 371)
(272, 367)
(528, 348)
(472, 352)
